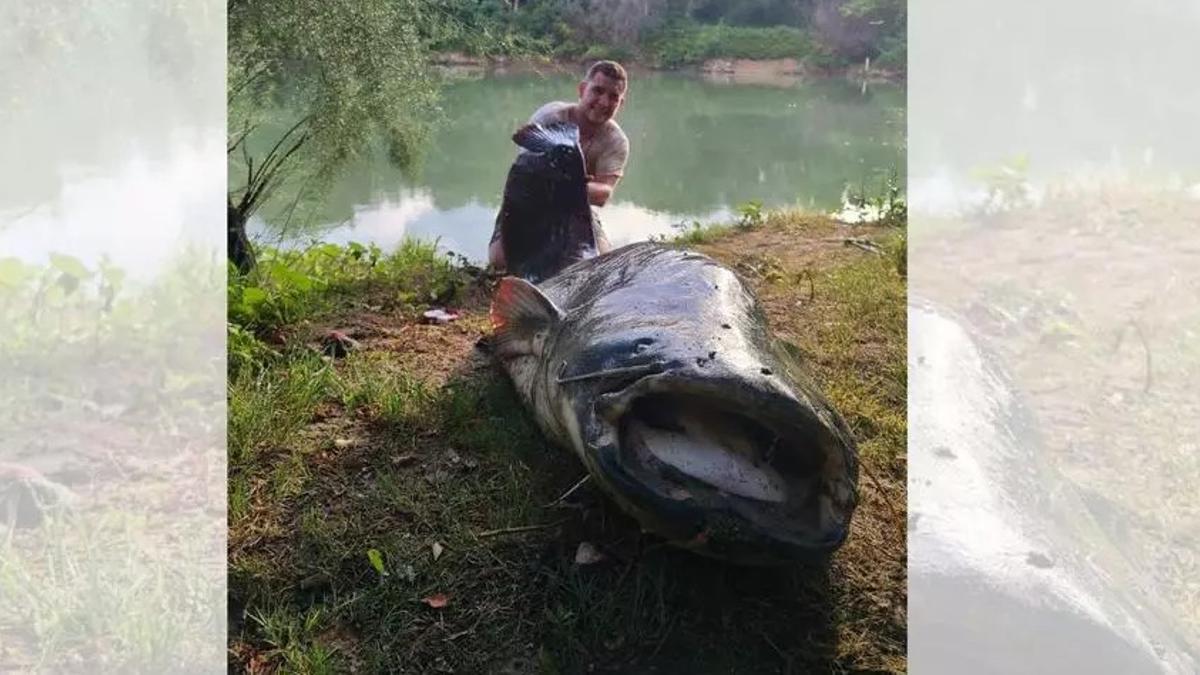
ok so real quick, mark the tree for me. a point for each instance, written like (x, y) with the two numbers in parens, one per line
(857, 29)
(312, 84)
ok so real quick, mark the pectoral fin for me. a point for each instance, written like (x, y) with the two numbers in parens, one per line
(522, 317)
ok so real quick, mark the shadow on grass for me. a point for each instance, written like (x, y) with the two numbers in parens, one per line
(471, 472)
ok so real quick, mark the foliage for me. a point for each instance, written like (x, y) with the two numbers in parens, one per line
(347, 72)
(278, 291)
(288, 286)
(886, 205)
(858, 29)
(675, 33)
(688, 42)
(751, 214)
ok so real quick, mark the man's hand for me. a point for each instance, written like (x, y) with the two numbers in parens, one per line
(600, 188)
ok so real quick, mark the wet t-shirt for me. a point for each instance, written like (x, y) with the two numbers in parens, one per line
(604, 154)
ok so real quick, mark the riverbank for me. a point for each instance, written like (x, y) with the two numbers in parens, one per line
(392, 504)
(779, 72)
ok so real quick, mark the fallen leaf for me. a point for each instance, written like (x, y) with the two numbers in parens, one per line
(436, 601)
(376, 559)
(587, 554)
(437, 550)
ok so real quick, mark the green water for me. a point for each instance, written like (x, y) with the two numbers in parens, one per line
(698, 149)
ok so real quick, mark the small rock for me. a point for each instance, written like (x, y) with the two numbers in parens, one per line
(587, 554)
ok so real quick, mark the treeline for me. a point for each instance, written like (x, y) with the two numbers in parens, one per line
(670, 33)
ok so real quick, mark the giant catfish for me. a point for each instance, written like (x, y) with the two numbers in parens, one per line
(655, 366)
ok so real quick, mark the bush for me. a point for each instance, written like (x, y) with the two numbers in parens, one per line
(688, 43)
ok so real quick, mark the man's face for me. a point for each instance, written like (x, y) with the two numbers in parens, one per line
(600, 97)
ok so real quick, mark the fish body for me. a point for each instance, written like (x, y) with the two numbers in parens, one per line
(654, 365)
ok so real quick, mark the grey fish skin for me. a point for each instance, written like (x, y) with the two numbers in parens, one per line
(654, 365)
(545, 220)
(999, 581)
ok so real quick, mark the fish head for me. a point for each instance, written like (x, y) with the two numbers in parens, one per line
(731, 463)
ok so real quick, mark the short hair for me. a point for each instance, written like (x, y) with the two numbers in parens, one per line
(610, 69)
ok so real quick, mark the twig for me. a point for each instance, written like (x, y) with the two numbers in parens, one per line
(522, 528)
(569, 492)
(865, 244)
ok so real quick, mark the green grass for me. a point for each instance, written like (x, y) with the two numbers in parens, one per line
(344, 474)
(288, 287)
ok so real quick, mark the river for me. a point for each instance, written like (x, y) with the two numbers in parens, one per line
(699, 149)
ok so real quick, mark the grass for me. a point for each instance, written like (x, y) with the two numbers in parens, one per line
(345, 473)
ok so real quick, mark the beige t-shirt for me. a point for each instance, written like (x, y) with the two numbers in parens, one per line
(604, 154)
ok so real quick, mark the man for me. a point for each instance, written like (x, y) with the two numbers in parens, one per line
(605, 147)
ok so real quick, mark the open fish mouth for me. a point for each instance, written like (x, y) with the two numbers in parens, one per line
(735, 469)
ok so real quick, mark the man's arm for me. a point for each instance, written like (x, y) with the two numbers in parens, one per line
(600, 188)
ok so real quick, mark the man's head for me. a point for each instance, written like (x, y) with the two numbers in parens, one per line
(602, 91)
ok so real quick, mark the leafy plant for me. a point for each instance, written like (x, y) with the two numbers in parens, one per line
(886, 205)
(750, 214)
